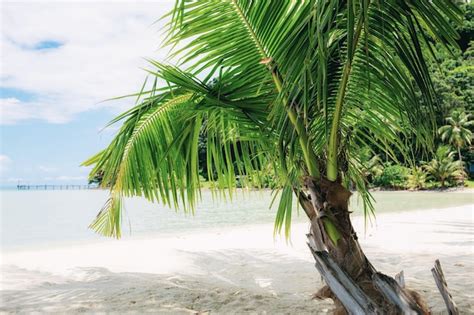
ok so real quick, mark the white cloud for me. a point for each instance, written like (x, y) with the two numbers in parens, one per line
(4, 163)
(103, 49)
(65, 178)
(12, 110)
(69, 178)
(14, 180)
(47, 169)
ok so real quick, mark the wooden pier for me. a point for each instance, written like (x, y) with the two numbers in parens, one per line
(56, 187)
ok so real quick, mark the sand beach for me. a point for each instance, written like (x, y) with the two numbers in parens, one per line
(232, 270)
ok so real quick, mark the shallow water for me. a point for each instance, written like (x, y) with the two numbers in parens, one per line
(36, 218)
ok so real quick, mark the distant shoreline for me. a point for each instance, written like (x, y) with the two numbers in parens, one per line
(447, 189)
(374, 189)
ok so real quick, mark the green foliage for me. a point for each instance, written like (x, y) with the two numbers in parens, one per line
(417, 178)
(298, 86)
(393, 176)
(370, 165)
(284, 211)
(453, 79)
(457, 132)
(453, 71)
(466, 29)
(443, 168)
(109, 218)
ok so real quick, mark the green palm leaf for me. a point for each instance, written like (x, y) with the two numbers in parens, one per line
(298, 85)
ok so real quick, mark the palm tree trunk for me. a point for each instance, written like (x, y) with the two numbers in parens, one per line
(329, 201)
(462, 166)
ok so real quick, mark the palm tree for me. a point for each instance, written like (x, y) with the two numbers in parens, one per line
(457, 132)
(417, 178)
(443, 167)
(299, 85)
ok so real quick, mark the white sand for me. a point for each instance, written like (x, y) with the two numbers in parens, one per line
(241, 270)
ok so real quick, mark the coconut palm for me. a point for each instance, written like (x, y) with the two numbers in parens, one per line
(298, 85)
(443, 167)
(417, 178)
(457, 132)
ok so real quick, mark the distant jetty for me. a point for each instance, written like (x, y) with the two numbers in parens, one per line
(57, 187)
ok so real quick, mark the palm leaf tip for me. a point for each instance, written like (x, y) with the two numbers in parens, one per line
(108, 220)
(93, 159)
(284, 213)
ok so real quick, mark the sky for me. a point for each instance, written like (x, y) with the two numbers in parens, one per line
(59, 61)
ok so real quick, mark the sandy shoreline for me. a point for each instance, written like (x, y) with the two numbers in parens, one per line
(237, 270)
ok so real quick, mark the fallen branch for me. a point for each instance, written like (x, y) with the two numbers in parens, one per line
(351, 296)
(443, 288)
(400, 278)
(395, 293)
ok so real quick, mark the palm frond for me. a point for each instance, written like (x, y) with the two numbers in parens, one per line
(293, 84)
(108, 220)
(155, 152)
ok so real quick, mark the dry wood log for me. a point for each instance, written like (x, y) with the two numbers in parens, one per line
(440, 280)
(394, 292)
(400, 278)
(351, 296)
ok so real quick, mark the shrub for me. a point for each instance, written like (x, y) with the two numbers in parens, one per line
(417, 178)
(443, 168)
(393, 176)
(370, 165)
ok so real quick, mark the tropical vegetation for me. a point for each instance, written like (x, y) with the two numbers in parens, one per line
(443, 167)
(297, 87)
(457, 132)
(416, 179)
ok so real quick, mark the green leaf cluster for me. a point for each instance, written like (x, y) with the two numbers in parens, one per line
(298, 86)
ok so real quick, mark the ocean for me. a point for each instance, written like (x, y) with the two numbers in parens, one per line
(45, 218)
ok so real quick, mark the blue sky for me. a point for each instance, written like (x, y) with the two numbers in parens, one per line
(59, 61)
(41, 152)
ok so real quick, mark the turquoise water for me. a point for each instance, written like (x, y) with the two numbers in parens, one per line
(38, 218)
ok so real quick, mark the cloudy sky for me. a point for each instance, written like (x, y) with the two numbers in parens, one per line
(59, 61)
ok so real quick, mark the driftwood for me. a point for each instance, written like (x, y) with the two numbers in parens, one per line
(352, 282)
(357, 302)
(351, 296)
(395, 293)
(400, 278)
(443, 288)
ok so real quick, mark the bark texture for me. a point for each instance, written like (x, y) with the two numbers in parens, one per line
(328, 200)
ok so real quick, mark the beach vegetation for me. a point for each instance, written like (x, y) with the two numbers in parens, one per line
(444, 169)
(393, 176)
(469, 183)
(417, 178)
(456, 132)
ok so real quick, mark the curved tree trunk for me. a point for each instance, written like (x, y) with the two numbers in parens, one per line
(329, 200)
(462, 166)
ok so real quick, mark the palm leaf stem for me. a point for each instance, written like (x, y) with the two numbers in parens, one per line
(331, 171)
(308, 153)
(309, 156)
(250, 29)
